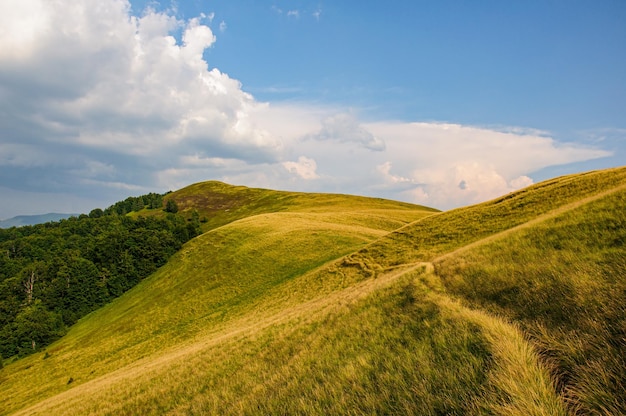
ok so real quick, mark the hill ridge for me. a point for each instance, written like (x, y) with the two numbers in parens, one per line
(537, 220)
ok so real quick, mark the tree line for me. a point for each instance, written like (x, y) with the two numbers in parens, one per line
(53, 274)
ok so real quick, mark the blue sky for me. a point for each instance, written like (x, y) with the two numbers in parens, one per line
(442, 103)
(545, 64)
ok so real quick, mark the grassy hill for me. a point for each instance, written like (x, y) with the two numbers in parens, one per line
(217, 204)
(328, 304)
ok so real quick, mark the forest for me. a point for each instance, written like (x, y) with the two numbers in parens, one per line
(53, 274)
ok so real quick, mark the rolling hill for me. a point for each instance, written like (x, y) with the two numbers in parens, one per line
(293, 303)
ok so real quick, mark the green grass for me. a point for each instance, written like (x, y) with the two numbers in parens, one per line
(330, 304)
(383, 348)
(218, 204)
(221, 281)
(565, 281)
(439, 234)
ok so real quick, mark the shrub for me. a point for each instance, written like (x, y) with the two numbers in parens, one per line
(171, 206)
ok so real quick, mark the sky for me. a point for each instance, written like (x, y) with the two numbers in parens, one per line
(440, 103)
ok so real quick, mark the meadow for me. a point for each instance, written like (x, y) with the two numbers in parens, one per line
(329, 304)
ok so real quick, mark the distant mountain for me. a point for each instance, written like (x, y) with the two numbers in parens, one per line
(22, 220)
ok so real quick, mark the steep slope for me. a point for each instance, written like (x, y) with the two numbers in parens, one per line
(320, 310)
(564, 280)
(550, 257)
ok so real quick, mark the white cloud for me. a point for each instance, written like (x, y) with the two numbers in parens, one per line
(126, 81)
(345, 128)
(293, 13)
(451, 165)
(520, 182)
(92, 80)
(385, 170)
(304, 168)
(99, 102)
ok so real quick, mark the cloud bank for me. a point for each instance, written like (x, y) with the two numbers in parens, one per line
(97, 104)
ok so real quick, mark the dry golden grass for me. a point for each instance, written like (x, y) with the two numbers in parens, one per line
(220, 283)
(242, 369)
(316, 308)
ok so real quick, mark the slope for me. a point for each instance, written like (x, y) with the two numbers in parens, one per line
(217, 204)
(272, 314)
(550, 257)
(215, 280)
(564, 280)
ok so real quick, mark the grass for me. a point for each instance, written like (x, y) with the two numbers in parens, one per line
(333, 356)
(218, 204)
(445, 232)
(330, 304)
(219, 281)
(564, 280)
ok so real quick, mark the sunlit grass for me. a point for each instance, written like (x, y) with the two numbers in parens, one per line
(442, 233)
(316, 308)
(386, 347)
(217, 204)
(565, 281)
(219, 277)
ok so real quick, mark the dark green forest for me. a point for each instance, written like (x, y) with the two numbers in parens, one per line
(53, 274)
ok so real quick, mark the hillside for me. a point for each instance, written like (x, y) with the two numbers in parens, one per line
(329, 304)
(217, 204)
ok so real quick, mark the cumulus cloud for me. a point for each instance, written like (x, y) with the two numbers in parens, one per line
(97, 103)
(385, 171)
(345, 128)
(119, 90)
(304, 168)
(450, 165)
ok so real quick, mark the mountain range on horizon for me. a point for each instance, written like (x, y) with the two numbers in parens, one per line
(22, 220)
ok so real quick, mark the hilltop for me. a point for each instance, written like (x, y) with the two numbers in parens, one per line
(295, 303)
(218, 203)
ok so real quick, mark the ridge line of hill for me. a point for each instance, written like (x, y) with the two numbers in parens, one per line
(537, 220)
